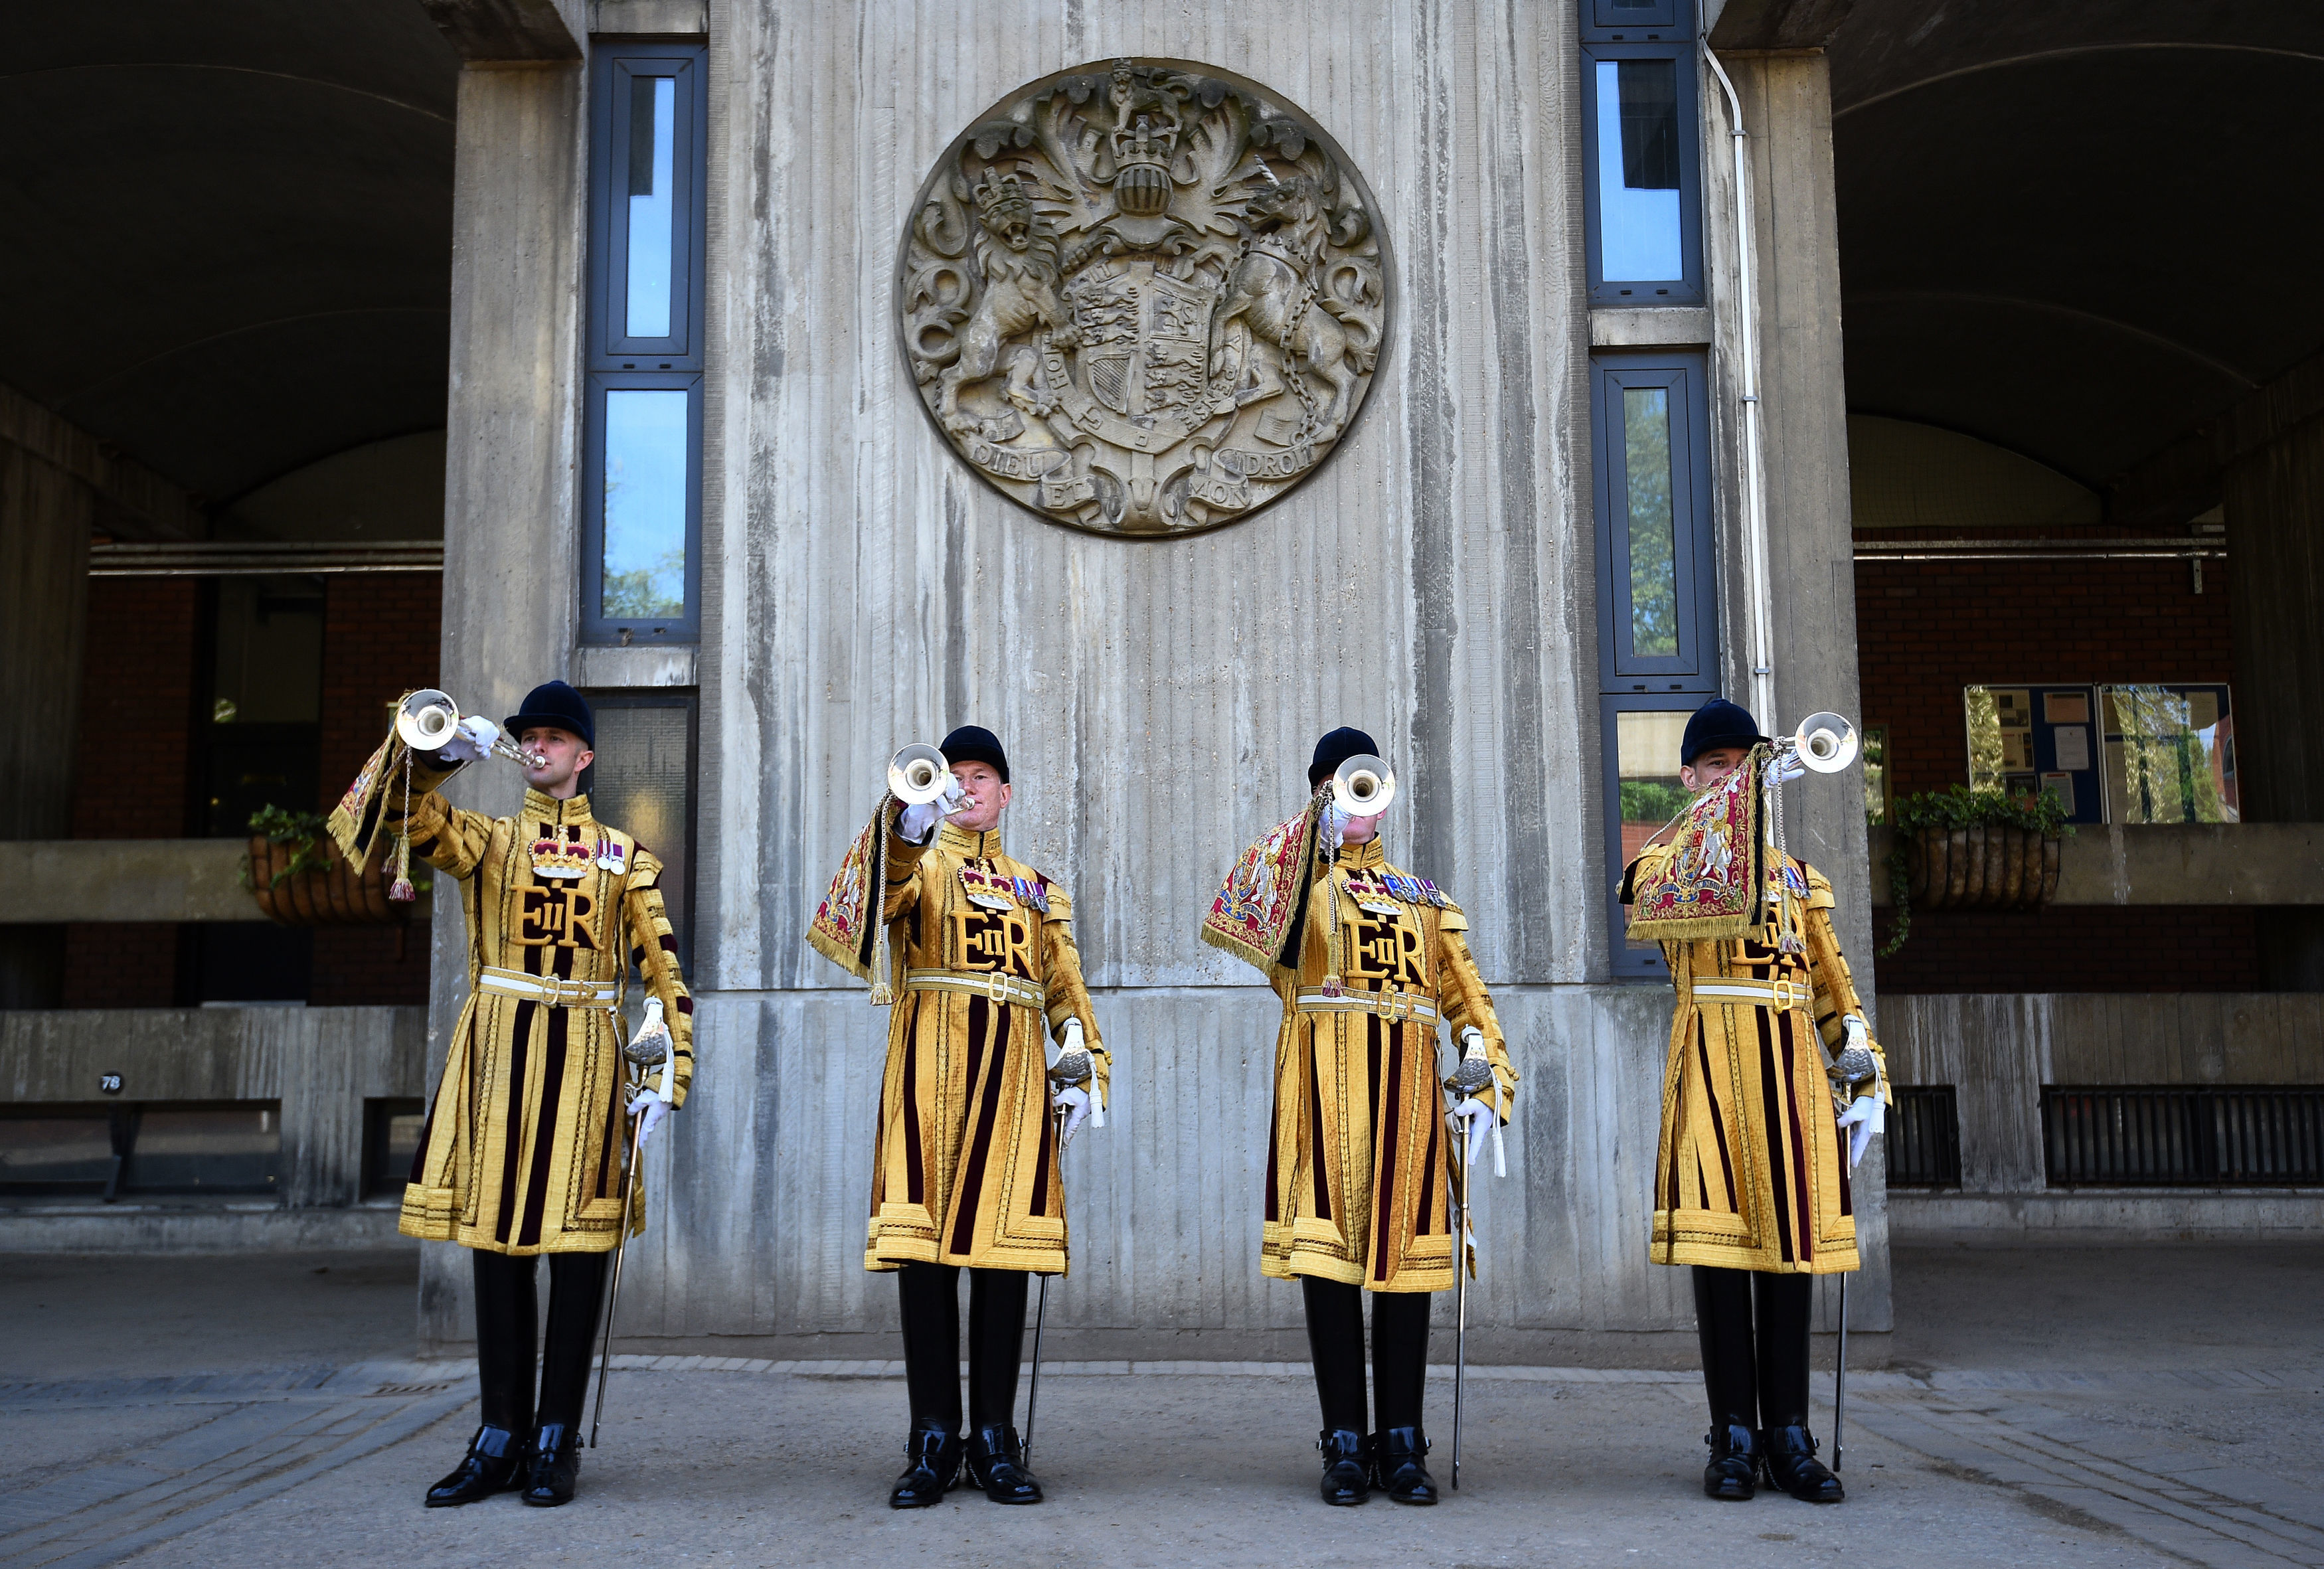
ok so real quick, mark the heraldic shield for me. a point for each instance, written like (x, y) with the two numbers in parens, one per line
(1143, 299)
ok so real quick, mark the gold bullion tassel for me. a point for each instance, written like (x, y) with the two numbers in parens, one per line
(401, 890)
(883, 991)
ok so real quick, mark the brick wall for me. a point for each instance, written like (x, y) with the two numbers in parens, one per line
(137, 708)
(134, 751)
(1926, 629)
(380, 637)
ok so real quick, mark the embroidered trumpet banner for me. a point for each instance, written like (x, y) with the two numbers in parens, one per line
(843, 928)
(1705, 883)
(1252, 916)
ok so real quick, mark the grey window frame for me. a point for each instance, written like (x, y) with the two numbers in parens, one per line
(617, 362)
(1628, 40)
(1626, 963)
(1694, 527)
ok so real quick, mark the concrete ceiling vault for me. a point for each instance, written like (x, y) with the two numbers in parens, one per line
(2075, 231)
(229, 227)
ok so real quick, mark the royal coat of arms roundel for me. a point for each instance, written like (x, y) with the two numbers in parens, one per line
(1143, 298)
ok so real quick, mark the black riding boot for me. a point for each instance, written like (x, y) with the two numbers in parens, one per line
(1399, 1449)
(577, 1285)
(1335, 1338)
(930, 1297)
(1722, 1322)
(996, 1348)
(506, 1310)
(1786, 1303)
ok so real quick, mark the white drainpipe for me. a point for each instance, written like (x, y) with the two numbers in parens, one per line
(1755, 482)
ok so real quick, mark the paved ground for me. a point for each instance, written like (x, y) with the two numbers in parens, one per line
(2090, 1408)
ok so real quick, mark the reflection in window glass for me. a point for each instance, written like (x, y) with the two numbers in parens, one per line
(643, 778)
(654, 131)
(1875, 757)
(1646, 749)
(645, 504)
(2171, 754)
(1653, 530)
(1638, 170)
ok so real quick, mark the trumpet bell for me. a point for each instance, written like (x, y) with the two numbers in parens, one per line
(1825, 743)
(427, 719)
(1363, 786)
(918, 775)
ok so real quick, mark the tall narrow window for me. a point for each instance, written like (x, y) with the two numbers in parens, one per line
(641, 569)
(1640, 132)
(1658, 599)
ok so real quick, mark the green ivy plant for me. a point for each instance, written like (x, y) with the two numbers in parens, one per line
(302, 830)
(1942, 811)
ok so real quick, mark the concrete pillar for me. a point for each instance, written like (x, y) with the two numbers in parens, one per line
(2273, 497)
(1786, 108)
(514, 441)
(44, 527)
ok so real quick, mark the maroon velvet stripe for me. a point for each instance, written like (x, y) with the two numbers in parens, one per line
(1718, 1127)
(520, 1034)
(1040, 1205)
(544, 1133)
(1799, 1152)
(1315, 1116)
(1384, 1131)
(1428, 1184)
(1778, 1181)
(988, 1111)
(914, 1178)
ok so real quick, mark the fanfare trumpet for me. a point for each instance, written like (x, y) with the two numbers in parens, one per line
(1824, 742)
(918, 774)
(427, 720)
(1363, 786)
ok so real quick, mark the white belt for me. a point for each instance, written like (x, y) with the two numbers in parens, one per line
(992, 985)
(1779, 995)
(1393, 1006)
(547, 989)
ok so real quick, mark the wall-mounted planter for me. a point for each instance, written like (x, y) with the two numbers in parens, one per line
(332, 895)
(1989, 866)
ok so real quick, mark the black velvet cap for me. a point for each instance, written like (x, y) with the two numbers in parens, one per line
(1335, 749)
(1717, 724)
(975, 743)
(555, 702)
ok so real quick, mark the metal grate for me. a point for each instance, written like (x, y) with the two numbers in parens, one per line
(2183, 1135)
(1923, 1137)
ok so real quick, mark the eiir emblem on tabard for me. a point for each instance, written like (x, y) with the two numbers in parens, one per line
(1143, 301)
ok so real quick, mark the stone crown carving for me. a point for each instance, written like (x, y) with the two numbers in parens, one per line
(1143, 301)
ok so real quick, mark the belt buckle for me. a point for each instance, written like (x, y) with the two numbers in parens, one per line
(996, 987)
(1791, 995)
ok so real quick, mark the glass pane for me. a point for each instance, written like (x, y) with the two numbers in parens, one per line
(1646, 761)
(2171, 754)
(225, 1149)
(654, 131)
(645, 504)
(37, 1151)
(1653, 564)
(1638, 170)
(641, 784)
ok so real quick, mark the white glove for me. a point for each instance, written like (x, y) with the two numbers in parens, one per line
(1477, 1119)
(916, 820)
(1785, 767)
(1864, 1117)
(472, 741)
(650, 1103)
(1074, 1105)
